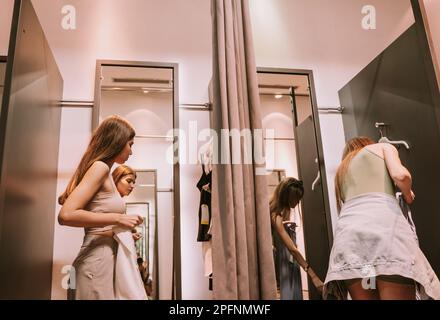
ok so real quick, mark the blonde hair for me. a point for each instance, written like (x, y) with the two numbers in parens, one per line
(287, 194)
(351, 149)
(121, 172)
(107, 142)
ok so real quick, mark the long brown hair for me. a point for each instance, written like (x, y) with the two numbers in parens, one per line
(287, 194)
(351, 149)
(107, 142)
(122, 171)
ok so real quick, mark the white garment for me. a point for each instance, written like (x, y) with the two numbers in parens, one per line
(206, 154)
(128, 281)
(373, 238)
(207, 257)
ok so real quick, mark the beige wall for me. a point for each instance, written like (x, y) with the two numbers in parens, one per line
(326, 37)
(6, 8)
(431, 12)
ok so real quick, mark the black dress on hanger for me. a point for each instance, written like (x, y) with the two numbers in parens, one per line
(205, 206)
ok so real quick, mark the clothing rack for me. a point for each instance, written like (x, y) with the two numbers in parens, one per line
(196, 106)
(287, 139)
(153, 136)
(89, 104)
(137, 202)
(76, 103)
(331, 110)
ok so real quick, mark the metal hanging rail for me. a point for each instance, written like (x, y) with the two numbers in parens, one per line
(331, 109)
(196, 106)
(77, 103)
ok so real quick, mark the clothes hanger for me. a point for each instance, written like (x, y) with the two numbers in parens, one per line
(384, 139)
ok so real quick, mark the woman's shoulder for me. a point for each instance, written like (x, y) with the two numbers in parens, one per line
(99, 169)
(380, 147)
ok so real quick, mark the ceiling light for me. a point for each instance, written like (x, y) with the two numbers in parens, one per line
(278, 96)
(146, 91)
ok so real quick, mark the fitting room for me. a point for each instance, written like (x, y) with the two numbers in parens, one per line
(324, 75)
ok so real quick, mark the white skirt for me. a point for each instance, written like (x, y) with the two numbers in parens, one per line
(373, 238)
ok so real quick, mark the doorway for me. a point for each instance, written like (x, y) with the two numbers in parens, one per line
(288, 106)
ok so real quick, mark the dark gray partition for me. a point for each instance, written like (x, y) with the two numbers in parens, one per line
(399, 88)
(2, 76)
(30, 129)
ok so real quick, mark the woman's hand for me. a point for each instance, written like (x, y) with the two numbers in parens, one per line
(129, 221)
(137, 236)
(317, 283)
(409, 198)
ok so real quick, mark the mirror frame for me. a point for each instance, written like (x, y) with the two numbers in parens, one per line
(176, 277)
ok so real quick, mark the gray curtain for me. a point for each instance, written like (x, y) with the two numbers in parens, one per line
(243, 266)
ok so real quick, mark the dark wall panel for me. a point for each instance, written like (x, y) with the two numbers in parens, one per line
(30, 123)
(2, 76)
(396, 89)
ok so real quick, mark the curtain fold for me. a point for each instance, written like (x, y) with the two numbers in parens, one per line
(243, 266)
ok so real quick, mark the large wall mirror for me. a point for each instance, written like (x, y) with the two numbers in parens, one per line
(288, 108)
(146, 95)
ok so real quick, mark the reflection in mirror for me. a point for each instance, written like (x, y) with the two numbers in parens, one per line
(143, 201)
(143, 93)
(285, 103)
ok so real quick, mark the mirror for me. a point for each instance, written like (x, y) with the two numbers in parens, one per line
(145, 95)
(143, 200)
(286, 109)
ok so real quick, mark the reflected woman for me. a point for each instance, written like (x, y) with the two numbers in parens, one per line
(129, 284)
(375, 252)
(287, 196)
(91, 201)
(124, 178)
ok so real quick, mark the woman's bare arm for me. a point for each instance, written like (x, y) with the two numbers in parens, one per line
(279, 226)
(72, 212)
(400, 175)
(294, 251)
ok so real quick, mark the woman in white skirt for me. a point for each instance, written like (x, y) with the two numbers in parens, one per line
(375, 252)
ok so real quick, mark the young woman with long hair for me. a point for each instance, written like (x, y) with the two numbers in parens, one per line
(287, 196)
(375, 252)
(92, 202)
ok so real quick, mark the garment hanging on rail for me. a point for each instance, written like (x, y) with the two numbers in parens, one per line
(204, 185)
(204, 218)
